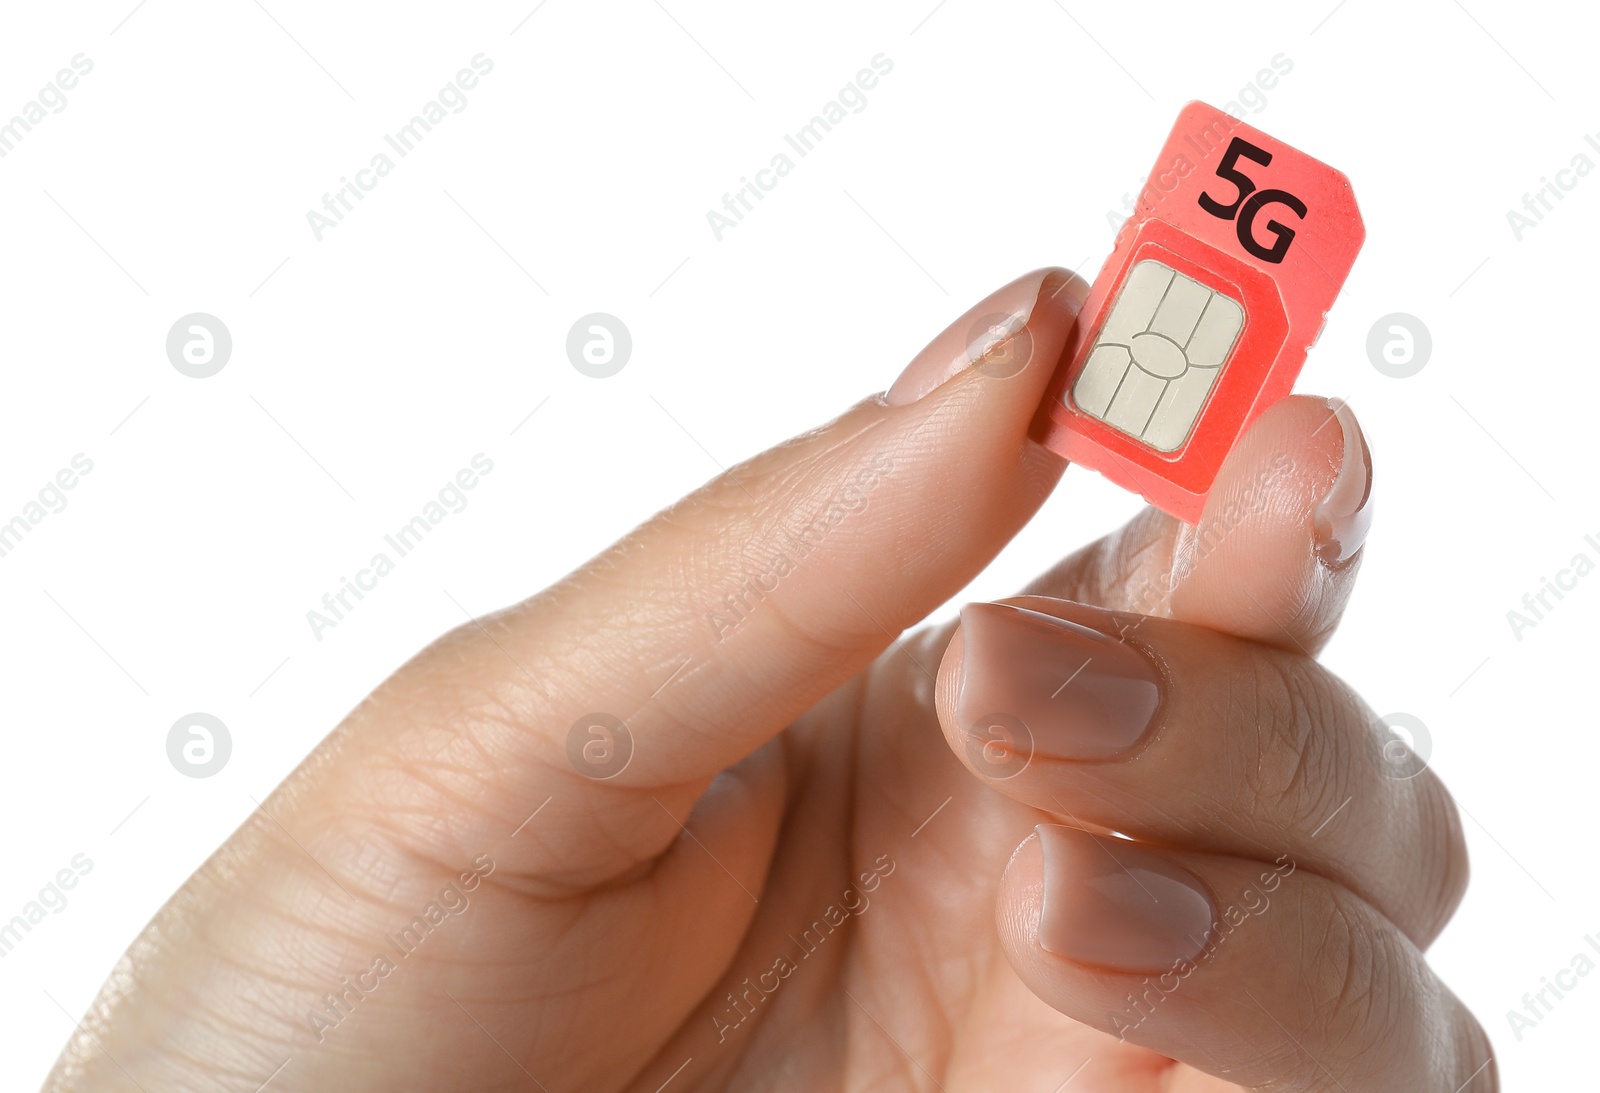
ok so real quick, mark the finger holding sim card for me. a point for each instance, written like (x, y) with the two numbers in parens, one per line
(1202, 316)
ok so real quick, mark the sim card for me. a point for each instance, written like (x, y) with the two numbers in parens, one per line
(1201, 318)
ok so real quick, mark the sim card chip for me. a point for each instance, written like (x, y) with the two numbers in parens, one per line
(1158, 355)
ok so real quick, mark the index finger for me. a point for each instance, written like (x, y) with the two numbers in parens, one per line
(706, 630)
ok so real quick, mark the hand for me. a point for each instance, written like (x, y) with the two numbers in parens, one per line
(685, 819)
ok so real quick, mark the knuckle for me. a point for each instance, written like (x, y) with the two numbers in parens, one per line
(1442, 866)
(1310, 754)
(1301, 768)
(1476, 1067)
(1364, 977)
(1372, 1009)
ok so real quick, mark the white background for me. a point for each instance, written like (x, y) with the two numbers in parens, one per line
(370, 366)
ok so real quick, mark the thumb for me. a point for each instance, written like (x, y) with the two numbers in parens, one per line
(706, 630)
(1275, 555)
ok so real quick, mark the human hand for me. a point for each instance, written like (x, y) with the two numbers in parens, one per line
(790, 882)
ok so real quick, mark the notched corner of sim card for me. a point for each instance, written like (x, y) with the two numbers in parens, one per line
(1218, 283)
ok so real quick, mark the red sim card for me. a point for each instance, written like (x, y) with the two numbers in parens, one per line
(1201, 318)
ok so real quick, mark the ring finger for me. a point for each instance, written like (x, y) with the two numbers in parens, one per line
(1265, 975)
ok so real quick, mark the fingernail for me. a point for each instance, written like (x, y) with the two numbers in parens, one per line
(1110, 903)
(1343, 518)
(993, 335)
(1071, 691)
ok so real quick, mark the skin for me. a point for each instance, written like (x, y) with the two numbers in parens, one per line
(793, 758)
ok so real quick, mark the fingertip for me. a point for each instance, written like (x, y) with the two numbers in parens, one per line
(947, 682)
(1275, 553)
(1019, 902)
(1019, 330)
(1344, 515)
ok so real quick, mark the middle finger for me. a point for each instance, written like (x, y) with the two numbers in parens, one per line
(1174, 734)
